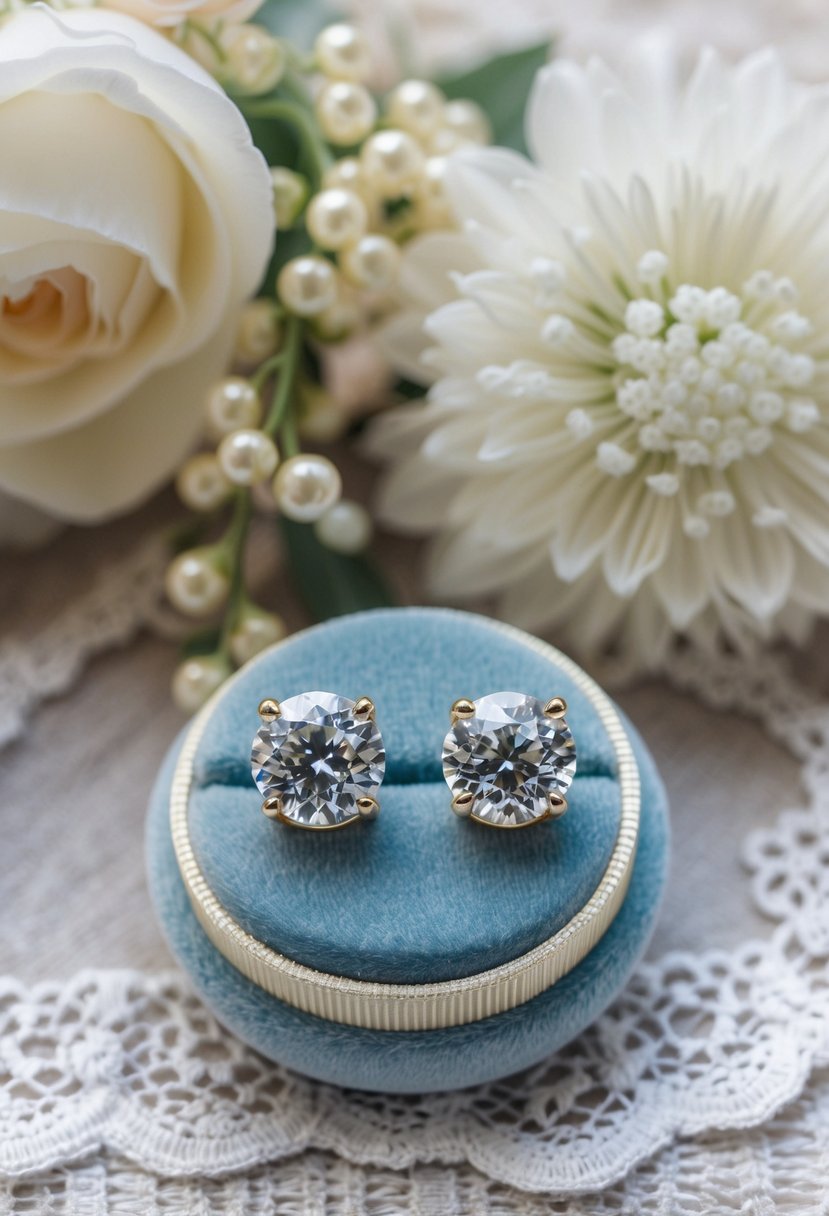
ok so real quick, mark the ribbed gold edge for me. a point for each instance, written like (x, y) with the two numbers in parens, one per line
(410, 1007)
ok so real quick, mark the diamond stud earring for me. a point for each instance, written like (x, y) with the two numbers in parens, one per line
(509, 759)
(318, 760)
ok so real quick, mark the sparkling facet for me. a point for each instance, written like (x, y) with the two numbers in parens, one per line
(511, 756)
(319, 758)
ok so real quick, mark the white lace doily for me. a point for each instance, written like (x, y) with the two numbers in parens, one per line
(125, 598)
(779, 1169)
(698, 1043)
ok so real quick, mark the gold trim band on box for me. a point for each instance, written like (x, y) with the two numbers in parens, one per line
(411, 1007)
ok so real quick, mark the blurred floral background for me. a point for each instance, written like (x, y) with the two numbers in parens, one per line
(574, 307)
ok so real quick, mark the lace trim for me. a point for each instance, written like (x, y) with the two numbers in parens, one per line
(778, 1168)
(124, 599)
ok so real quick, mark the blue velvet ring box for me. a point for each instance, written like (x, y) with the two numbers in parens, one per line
(417, 896)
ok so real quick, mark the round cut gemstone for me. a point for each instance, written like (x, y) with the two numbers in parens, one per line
(319, 758)
(510, 757)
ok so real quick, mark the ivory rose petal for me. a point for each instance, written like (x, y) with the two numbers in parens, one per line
(135, 219)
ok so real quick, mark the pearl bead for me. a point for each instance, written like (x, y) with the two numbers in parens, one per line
(232, 403)
(346, 112)
(259, 332)
(392, 162)
(307, 285)
(444, 142)
(336, 218)
(342, 53)
(195, 681)
(417, 107)
(372, 263)
(247, 457)
(194, 583)
(306, 486)
(467, 121)
(322, 419)
(254, 59)
(345, 527)
(346, 174)
(255, 631)
(201, 484)
(339, 321)
(433, 209)
(290, 193)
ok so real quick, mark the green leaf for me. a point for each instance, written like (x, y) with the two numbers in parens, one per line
(331, 584)
(205, 641)
(297, 21)
(501, 87)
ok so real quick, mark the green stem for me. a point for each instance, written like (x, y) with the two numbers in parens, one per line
(288, 438)
(303, 123)
(266, 370)
(200, 31)
(284, 389)
(233, 543)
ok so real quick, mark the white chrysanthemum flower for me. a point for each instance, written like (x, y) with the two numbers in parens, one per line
(627, 432)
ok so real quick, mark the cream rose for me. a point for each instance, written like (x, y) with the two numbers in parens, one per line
(135, 218)
(173, 12)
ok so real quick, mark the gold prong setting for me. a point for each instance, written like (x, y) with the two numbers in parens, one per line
(462, 710)
(463, 804)
(509, 759)
(297, 760)
(272, 807)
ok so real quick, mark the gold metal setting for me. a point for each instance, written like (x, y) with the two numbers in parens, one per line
(414, 1007)
(462, 709)
(557, 808)
(269, 710)
(272, 807)
(364, 708)
(369, 808)
(556, 707)
(462, 805)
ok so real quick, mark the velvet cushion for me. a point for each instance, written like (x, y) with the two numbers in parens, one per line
(417, 895)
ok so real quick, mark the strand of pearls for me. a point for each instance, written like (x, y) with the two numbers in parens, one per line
(374, 178)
